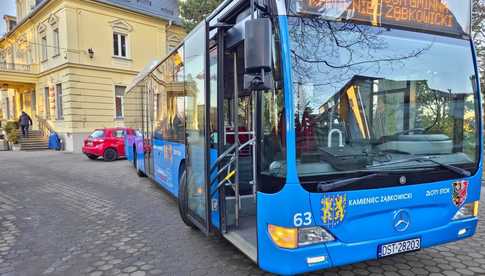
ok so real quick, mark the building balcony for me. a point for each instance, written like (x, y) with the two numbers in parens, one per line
(19, 68)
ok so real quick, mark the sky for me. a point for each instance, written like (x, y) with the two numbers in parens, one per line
(6, 7)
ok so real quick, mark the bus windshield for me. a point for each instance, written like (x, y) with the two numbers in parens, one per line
(366, 97)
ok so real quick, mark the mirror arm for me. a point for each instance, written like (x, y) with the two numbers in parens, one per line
(221, 25)
(251, 8)
(263, 9)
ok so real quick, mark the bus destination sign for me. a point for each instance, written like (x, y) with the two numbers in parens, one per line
(439, 16)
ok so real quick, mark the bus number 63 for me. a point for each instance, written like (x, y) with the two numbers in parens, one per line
(304, 219)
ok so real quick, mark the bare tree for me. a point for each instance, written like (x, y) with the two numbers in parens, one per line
(341, 50)
(478, 34)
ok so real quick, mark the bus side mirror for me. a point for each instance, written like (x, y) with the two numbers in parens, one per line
(257, 54)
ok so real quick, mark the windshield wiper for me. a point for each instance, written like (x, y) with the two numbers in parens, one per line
(328, 186)
(451, 168)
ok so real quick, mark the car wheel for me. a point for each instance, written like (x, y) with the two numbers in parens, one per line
(182, 199)
(110, 155)
(92, 156)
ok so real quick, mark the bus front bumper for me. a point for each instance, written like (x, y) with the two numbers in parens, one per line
(337, 253)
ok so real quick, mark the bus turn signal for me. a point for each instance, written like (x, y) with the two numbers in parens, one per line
(283, 237)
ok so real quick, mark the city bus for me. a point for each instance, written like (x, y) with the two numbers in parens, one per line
(317, 133)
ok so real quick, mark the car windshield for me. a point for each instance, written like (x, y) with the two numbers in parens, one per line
(365, 97)
(97, 134)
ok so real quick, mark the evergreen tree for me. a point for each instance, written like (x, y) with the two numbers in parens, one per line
(193, 11)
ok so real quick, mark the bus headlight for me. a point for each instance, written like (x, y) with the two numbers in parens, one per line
(467, 211)
(312, 235)
(291, 238)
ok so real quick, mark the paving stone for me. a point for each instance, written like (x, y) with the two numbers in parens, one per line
(130, 269)
(96, 273)
(97, 218)
(138, 273)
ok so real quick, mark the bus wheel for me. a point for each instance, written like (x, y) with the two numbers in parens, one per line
(135, 158)
(110, 155)
(182, 200)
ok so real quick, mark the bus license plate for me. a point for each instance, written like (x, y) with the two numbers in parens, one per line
(399, 247)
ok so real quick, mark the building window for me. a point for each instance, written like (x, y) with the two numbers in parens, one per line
(12, 55)
(119, 45)
(21, 101)
(59, 105)
(11, 24)
(33, 102)
(56, 42)
(119, 94)
(47, 106)
(44, 47)
(8, 108)
(145, 2)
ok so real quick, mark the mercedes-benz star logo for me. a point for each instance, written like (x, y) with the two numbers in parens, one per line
(402, 220)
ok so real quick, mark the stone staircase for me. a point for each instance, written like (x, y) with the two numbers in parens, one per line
(34, 141)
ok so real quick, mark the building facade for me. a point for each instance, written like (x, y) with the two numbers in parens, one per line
(68, 62)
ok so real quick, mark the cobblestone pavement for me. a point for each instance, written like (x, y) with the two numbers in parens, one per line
(62, 214)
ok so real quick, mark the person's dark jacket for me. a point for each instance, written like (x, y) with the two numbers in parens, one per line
(25, 120)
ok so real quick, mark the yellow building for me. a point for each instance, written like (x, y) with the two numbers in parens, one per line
(68, 62)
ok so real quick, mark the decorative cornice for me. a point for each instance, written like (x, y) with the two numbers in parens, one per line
(41, 28)
(53, 19)
(121, 25)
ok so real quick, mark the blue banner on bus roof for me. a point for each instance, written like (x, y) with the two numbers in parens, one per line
(440, 16)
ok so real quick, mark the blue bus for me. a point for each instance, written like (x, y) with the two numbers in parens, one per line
(317, 133)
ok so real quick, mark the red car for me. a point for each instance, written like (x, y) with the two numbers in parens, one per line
(108, 143)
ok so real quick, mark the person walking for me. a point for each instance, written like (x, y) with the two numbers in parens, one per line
(25, 121)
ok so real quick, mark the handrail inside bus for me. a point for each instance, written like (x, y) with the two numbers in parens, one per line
(221, 171)
(225, 154)
(228, 151)
(222, 156)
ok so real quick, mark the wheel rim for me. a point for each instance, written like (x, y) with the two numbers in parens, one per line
(110, 155)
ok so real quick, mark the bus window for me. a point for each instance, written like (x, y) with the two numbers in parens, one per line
(213, 131)
(273, 154)
(366, 96)
(273, 150)
(170, 117)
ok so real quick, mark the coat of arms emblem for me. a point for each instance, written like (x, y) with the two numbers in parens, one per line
(333, 209)
(460, 191)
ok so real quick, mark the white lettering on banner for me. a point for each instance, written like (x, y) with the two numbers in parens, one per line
(436, 192)
(380, 199)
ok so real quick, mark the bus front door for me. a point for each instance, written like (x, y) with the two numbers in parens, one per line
(196, 152)
(238, 194)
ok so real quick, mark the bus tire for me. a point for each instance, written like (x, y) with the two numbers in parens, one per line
(182, 199)
(135, 158)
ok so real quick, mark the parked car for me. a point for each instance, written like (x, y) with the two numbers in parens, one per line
(108, 143)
